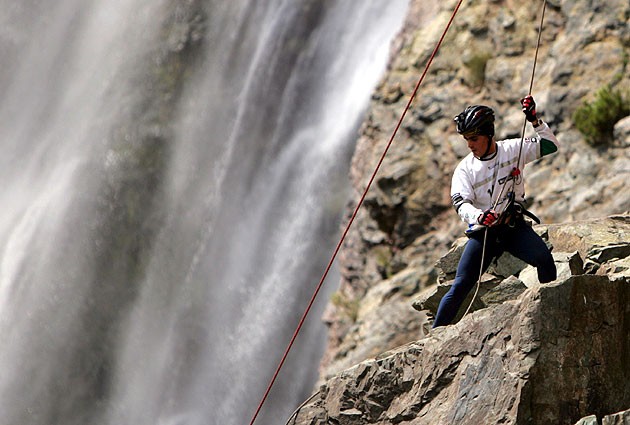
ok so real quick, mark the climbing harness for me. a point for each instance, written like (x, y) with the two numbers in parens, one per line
(516, 172)
(354, 214)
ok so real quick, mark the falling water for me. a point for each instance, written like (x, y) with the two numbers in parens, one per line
(173, 177)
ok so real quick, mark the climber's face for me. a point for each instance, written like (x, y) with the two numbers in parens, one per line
(478, 145)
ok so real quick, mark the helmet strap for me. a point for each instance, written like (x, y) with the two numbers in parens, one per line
(490, 141)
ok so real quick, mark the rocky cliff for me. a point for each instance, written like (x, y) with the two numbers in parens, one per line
(494, 361)
(528, 354)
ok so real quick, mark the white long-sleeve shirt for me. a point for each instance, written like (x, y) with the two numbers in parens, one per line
(480, 184)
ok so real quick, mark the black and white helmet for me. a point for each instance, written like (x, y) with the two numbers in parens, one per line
(476, 120)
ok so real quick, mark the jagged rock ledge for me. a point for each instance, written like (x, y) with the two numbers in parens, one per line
(555, 354)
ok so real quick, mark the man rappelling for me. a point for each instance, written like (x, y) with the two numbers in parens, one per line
(488, 193)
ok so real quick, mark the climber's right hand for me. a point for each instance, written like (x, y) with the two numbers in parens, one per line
(488, 217)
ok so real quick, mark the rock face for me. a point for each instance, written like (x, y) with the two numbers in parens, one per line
(550, 354)
(572, 332)
(407, 222)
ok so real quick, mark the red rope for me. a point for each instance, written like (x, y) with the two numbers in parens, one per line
(354, 215)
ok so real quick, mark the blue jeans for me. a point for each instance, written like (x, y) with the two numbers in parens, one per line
(521, 241)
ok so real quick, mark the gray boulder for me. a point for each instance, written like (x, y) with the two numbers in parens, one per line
(553, 356)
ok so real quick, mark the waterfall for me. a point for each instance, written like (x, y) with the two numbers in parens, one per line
(174, 174)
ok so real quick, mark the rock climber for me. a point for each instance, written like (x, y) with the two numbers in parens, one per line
(488, 193)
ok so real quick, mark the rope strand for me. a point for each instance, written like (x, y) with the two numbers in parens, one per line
(531, 85)
(354, 215)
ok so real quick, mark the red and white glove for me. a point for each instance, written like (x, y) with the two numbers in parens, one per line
(488, 217)
(529, 108)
